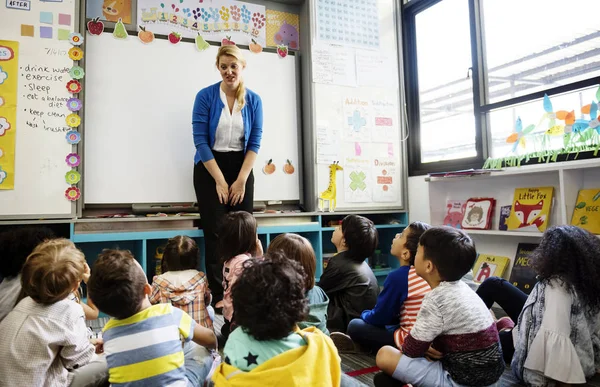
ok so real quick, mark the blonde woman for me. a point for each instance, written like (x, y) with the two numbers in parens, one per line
(227, 125)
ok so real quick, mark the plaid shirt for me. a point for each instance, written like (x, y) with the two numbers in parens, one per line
(192, 296)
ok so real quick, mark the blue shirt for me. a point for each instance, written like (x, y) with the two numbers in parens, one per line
(205, 118)
(387, 310)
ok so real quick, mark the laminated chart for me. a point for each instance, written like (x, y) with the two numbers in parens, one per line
(352, 23)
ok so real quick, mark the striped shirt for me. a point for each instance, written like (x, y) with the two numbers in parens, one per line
(417, 289)
(145, 349)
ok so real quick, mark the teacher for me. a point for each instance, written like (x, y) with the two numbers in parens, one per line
(227, 125)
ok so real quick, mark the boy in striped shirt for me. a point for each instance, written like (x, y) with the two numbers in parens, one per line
(143, 342)
(397, 305)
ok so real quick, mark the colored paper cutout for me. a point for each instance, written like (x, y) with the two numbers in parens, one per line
(9, 70)
(282, 50)
(74, 104)
(72, 193)
(73, 137)
(357, 149)
(72, 177)
(73, 120)
(146, 36)
(283, 28)
(27, 30)
(46, 32)
(63, 34)
(75, 53)
(64, 19)
(288, 168)
(73, 160)
(4, 126)
(255, 47)
(201, 44)
(76, 72)
(74, 86)
(95, 27)
(46, 17)
(76, 39)
(120, 32)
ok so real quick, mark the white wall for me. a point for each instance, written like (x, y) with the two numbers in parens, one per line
(418, 199)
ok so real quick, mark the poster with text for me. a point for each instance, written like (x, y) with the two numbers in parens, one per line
(215, 20)
(109, 10)
(283, 28)
(9, 75)
(384, 114)
(357, 120)
(385, 184)
(357, 180)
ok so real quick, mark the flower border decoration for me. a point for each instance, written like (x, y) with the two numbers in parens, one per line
(75, 53)
(73, 137)
(73, 160)
(76, 39)
(74, 104)
(76, 72)
(73, 86)
(72, 193)
(72, 177)
(73, 120)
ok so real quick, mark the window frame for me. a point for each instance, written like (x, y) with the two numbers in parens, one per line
(481, 104)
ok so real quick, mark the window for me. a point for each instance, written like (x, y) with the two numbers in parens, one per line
(477, 73)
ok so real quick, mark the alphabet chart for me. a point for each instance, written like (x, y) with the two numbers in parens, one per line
(352, 23)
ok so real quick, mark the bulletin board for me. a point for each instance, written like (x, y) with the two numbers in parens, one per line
(35, 150)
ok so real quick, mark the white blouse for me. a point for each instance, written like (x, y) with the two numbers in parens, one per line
(229, 136)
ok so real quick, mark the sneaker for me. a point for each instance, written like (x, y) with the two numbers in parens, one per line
(505, 324)
(343, 342)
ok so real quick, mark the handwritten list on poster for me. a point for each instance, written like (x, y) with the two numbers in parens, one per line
(328, 144)
(333, 65)
(375, 69)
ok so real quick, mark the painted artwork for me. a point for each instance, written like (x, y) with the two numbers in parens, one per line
(329, 196)
(109, 10)
(236, 21)
(283, 28)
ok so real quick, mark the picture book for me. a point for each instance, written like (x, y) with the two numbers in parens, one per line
(504, 214)
(530, 209)
(455, 210)
(488, 266)
(523, 276)
(478, 213)
(587, 210)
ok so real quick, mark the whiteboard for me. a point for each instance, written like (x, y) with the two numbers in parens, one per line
(138, 120)
(366, 89)
(40, 143)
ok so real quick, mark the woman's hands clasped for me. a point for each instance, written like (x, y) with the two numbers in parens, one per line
(232, 195)
(223, 191)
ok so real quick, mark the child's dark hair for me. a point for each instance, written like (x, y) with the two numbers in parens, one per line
(299, 249)
(236, 235)
(15, 246)
(181, 253)
(116, 285)
(452, 251)
(571, 255)
(412, 239)
(269, 298)
(361, 237)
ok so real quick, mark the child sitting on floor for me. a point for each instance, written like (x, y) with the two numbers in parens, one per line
(142, 341)
(267, 349)
(238, 242)
(44, 340)
(299, 249)
(181, 284)
(398, 304)
(452, 316)
(348, 280)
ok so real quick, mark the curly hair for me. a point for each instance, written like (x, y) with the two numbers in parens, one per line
(416, 229)
(571, 255)
(268, 298)
(15, 246)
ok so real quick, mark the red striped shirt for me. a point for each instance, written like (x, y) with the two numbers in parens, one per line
(417, 288)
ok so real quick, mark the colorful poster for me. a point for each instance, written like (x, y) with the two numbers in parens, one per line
(384, 115)
(216, 20)
(385, 188)
(357, 180)
(283, 28)
(109, 10)
(357, 119)
(348, 23)
(9, 74)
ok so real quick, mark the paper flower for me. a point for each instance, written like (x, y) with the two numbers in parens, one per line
(76, 39)
(76, 53)
(73, 160)
(4, 126)
(76, 72)
(3, 175)
(72, 177)
(73, 120)
(1, 101)
(3, 75)
(73, 137)
(74, 86)
(74, 104)
(72, 193)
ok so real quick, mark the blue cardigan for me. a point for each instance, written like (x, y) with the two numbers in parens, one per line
(205, 118)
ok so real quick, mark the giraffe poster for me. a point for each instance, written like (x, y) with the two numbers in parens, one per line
(357, 120)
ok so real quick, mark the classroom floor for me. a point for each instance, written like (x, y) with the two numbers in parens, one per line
(358, 363)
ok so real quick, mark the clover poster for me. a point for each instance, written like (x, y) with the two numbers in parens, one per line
(283, 28)
(215, 20)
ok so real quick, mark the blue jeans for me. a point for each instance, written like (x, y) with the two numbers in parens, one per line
(197, 362)
(369, 336)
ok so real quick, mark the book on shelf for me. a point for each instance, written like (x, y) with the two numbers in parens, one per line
(522, 275)
(455, 210)
(587, 210)
(531, 209)
(488, 266)
(478, 214)
(463, 172)
(504, 214)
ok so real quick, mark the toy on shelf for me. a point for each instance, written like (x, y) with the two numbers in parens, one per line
(330, 193)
